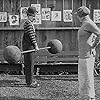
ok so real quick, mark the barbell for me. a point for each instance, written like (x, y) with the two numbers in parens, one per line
(28, 51)
(12, 54)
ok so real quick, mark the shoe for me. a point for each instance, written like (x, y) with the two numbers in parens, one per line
(34, 85)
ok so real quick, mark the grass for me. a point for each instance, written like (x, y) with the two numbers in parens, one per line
(14, 88)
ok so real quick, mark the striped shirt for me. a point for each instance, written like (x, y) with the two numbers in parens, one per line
(29, 33)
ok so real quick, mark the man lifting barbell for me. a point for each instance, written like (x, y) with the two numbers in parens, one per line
(29, 42)
(12, 54)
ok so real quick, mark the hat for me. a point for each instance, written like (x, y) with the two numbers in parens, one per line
(31, 11)
(83, 11)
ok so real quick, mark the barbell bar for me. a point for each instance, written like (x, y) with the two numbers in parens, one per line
(28, 51)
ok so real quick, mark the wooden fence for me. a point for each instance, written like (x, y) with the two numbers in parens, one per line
(66, 32)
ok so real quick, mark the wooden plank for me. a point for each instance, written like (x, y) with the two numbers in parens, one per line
(48, 77)
(64, 5)
(59, 7)
(1, 5)
(45, 56)
(15, 6)
(94, 4)
(43, 5)
(24, 3)
(51, 68)
(10, 67)
(7, 8)
(33, 1)
(1, 9)
(39, 29)
(76, 5)
(50, 4)
(10, 38)
(1, 57)
(83, 2)
(56, 60)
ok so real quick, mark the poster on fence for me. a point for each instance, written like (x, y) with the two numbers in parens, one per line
(3, 16)
(38, 8)
(56, 16)
(37, 19)
(23, 12)
(96, 16)
(14, 19)
(67, 15)
(46, 13)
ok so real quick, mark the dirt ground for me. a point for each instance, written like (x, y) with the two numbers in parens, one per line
(14, 88)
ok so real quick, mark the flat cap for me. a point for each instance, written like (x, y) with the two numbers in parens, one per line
(83, 11)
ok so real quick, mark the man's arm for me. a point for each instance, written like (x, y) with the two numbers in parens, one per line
(94, 29)
(97, 41)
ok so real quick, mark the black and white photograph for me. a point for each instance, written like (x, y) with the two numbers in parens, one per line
(49, 49)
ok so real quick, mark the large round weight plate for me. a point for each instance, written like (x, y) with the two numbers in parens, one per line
(56, 46)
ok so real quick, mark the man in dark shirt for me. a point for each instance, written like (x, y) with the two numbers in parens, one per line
(88, 39)
(29, 42)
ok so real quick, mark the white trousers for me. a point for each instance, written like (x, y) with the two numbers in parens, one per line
(86, 77)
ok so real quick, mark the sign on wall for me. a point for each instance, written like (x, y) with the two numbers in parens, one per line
(46, 13)
(56, 16)
(14, 19)
(96, 16)
(23, 12)
(38, 14)
(38, 8)
(67, 15)
(37, 19)
(3, 16)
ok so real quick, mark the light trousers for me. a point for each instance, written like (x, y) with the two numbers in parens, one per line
(86, 77)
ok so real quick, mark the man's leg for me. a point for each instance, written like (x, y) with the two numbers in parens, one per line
(28, 68)
(29, 59)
